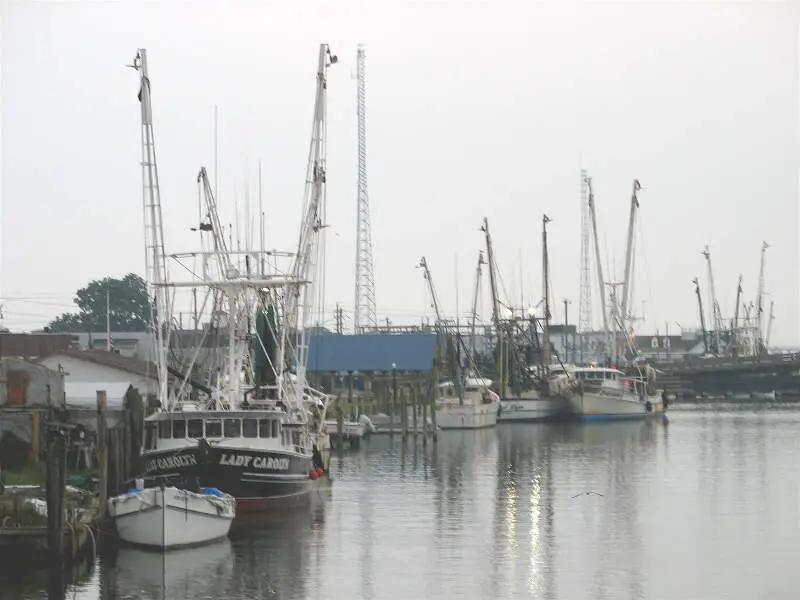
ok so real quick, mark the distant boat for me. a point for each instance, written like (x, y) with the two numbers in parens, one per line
(477, 408)
(168, 517)
(608, 393)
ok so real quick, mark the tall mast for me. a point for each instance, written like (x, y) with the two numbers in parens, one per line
(309, 248)
(585, 302)
(155, 255)
(478, 272)
(364, 313)
(601, 284)
(715, 313)
(702, 314)
(626, 284)
(760, 302)
(546, 284)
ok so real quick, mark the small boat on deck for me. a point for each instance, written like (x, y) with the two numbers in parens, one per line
(169, 517)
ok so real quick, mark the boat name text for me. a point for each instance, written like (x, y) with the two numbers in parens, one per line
(258, 462)
(170, 462)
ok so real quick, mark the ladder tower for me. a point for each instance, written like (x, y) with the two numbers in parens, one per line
(364, 309)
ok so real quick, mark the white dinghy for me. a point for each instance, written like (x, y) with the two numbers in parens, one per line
(168, 517)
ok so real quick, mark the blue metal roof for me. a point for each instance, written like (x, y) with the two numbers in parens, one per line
(371, 352)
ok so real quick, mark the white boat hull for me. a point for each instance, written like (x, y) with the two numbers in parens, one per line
(515, 410)
(144, 518)
(597, 406)
(467, 416)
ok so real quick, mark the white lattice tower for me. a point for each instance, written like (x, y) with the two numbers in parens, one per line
(585, 306)
(364, 309)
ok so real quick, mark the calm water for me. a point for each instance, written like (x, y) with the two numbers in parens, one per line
(704, 506)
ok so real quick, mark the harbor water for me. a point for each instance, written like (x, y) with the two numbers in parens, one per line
(705, 504)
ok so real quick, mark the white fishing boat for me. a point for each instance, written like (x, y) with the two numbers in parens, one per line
(548, 404)
(169, 517)
(608, 393)
(476, 409)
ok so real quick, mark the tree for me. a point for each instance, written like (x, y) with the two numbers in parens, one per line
(128, 301)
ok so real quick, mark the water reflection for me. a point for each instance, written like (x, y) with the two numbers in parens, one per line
(705, 505)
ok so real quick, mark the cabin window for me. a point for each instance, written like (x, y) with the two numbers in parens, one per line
(164, 430)
(274, 428)
(250, 428)
(179, 428)
(194, 428)
(263, 428)
(213, 429)
(296, 438)
(150, 436)
(608, 375)
(233, 428)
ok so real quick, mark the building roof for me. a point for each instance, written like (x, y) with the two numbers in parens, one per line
(371, 352)
(111, 360)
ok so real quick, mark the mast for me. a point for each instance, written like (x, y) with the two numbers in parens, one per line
(309, 246)
(155, 255)
(760, 345)
(702, 314)
(715, 313)
(478, 273)
(501, 354)
(735, 327)
(627, 284)
(546, 284)
(601, 286)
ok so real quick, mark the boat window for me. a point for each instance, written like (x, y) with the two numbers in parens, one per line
(608, 375)
(274, 428)
(471, 389)
(263, 428)
(194, 428)
(296, 438)
(150, 436)
(233, 428)
(250, 428)
(179, 428)
(164, 430)
(214, 429)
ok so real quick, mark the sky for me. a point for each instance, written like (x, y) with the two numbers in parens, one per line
(474, 109)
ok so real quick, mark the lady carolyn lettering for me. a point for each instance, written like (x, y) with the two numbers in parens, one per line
(170, 462)
(268, 463)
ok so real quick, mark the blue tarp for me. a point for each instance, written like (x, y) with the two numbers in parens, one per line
(370, 352)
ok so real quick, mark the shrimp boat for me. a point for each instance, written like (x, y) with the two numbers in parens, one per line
(608, 393)
(475, 409)
(169, 517)
(241, 417)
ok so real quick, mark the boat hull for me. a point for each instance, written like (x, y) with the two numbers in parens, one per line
(593, 406)
(518, 410)
(171, 517)
(466, 416)
(260, 480)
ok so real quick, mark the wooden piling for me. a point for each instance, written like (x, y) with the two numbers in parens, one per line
(415, 406)
(56, 474)
(404, 409)
(102, 449)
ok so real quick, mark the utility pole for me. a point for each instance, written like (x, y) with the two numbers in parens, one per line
(339, 319)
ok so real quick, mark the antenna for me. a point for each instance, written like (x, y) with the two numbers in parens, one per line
(364, 309)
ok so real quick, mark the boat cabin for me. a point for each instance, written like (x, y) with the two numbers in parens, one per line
(261, 428)
(597, 373)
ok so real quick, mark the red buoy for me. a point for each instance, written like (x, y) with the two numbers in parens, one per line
(313, 475)
(320, 472)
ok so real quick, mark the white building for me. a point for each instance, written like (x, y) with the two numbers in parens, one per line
(86, 371)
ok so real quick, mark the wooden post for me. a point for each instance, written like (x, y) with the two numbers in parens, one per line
(102, 449)
(415, 406)
(404, 408)
(55, 496)
(432, 400)
(392, 404)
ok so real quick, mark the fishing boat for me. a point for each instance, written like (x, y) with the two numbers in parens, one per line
(548, 402)
(169, 517)
(241, 417)
(475, 408)
(609, 393)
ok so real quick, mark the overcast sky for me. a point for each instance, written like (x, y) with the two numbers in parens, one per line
(474, 109)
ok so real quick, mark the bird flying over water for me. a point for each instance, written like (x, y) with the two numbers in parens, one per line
(586, 494)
